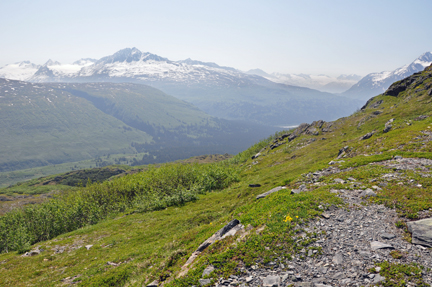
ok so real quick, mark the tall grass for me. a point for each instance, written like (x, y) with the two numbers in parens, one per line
(253, 150)
(156, 188)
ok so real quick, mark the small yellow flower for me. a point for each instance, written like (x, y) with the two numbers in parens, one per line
(288, 218)
(296, 216)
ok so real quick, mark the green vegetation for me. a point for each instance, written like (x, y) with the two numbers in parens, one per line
(155, 189)
(51, 124)
(397, 275)
(145, 226)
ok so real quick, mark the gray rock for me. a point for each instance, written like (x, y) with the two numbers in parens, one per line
(387, 128)
(254, 185)
(208, 270)
(378, 278)
(338, 180)
(295, 191)
(321, 285)
(367, 136)
(345, 281)
(368, 192)
(388, 236)
(338, 258)
(398, 157)
(88, 247)
(257, 155)
(204, 282)
(271, 281)
(421, 231)
(153, 284)
(375, 245)
(4, 198)
(262, 195)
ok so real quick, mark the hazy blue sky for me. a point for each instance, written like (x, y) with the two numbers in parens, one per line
(320, 36)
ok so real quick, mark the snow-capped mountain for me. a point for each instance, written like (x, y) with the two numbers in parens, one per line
(19, 71)
(53, 71)
(134, 64)
(376, 83)
(219, 91)
(322, 83)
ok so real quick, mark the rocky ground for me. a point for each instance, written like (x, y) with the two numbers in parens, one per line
(352, 241)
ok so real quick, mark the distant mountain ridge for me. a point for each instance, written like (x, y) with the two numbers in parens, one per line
(320, 82)
(222, 92)
(376, 83)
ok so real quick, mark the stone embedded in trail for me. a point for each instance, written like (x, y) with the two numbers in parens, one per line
(378, 278)
(271, 281)
(421, 231)
(338, 259)
(375, 245)
(262, 195)
(388, 236)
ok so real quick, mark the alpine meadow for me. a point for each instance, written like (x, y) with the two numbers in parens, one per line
(199, 143)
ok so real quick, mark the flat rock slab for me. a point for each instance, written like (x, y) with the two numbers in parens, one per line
(204, 282)
(388, 236)
(378, 278)
(421, 231)
(271, 281)
(338, 259)
(262, 195)
(375, 245)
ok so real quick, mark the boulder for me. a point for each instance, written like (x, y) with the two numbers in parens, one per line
(271, 281)
(421, 231)
(387, 128)
(367, 136)
(375, 245)
(208, 270)
(262, 195)
(368, 192)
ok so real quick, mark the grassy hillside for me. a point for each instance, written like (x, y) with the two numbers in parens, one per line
(46, 124)
(145, 226)
(42, 125)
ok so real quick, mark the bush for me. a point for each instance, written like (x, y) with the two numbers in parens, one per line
(154, 189)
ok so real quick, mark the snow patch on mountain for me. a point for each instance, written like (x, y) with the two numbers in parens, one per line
(19, 71)
(377, 83)
(320, 82)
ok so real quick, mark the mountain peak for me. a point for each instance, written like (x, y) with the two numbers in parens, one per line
(130, 55)
(51, 63)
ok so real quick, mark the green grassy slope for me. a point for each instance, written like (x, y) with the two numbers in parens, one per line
(41, 125)
(45, 124)
(132, 247)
